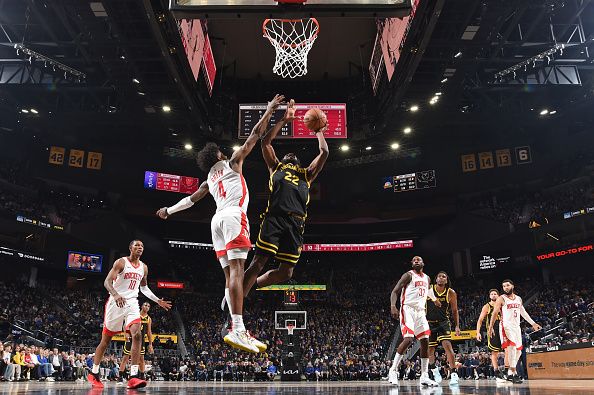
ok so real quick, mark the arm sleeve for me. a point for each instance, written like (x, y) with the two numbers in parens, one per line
(146, 291)
(181, 205)
(526, 316)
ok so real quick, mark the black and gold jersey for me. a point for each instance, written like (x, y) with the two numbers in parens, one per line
(145, 321)
(289, 190)
(490, 315)
(442, 313)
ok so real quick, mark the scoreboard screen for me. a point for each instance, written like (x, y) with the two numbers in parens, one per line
(411, 181)
(170, 182)
(250, 114)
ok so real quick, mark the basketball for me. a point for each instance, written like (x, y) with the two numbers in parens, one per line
(315, 119)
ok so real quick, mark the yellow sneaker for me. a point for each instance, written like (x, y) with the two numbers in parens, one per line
(261, 346)
(240, 340)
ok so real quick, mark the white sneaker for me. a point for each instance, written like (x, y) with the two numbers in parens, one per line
(240, 340)
(436, 375)
(454, 379)
(261, 346)
(393, 377)
(425, 380)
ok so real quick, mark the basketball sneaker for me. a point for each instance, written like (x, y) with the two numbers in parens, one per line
(135, 383)
(436, 375)
(240, 340)
(226, 328)
(516, 379)
(425, 380)
(95, 380)
(454, 379)
(261, 346)
(393, 377)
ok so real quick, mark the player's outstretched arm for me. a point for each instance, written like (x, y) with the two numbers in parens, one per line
(267, 150)
(146, 291)
(496, 310)
(403, 282)
(529, 319)
(479, 323)
(117, 268)
(319, 161)
(454, 307)
(185, 203)
(257, 132)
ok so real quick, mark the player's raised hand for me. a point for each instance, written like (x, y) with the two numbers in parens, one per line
(162, 213)
(276, 101)
(290, 113)
(324, 128)
(164, 304)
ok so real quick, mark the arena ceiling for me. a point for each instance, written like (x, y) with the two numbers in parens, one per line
(129, 53)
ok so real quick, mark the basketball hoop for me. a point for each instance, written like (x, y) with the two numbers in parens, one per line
(290, 328)
(292, 39)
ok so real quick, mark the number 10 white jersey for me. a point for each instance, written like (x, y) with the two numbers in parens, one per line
(127, 283)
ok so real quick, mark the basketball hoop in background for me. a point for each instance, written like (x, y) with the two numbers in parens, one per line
(292, 39)
(290, 328)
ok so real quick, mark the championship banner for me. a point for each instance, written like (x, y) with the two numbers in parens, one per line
(566, 364)
(294, 287)
(162, 338)
(464, 335)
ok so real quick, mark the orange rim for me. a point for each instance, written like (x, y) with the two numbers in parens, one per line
(313, 37)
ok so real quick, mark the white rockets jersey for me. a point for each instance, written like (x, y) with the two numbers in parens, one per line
(127, 283)
(510, 311)
(415, 293)
(227, 187)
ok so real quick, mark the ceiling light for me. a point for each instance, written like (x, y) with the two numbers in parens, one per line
(438, 94)
(344, 148)
(414, 108)
(166, 108)
(135, 81)
(407, 130)
(553, 112)
(174, 134)
(368, 148)
(544, 112)
(141, 93)
(395, 146)
(25, 111)
(34, 111)
(444, 80)
(236, 147)
(188, 146)
(457, 55)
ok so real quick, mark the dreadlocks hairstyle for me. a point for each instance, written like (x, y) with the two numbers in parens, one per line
(448, 283)
(207, 157)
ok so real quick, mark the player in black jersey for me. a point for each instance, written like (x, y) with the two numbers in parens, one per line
(493, 342)
(146, 324)
(439, 323)
(283, 222)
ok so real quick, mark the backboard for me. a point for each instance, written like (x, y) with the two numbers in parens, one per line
(209, 9)
(297, 320)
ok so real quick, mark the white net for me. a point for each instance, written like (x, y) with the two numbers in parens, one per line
(292, 39)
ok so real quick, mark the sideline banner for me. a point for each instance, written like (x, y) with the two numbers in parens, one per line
(565, 364)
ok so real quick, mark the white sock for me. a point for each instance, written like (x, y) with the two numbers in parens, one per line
(424, 365)
(133, 370)
(237, 320)
(95, 369)
(228, 299)
(397, 359)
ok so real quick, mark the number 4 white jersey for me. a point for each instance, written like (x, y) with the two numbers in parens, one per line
(415, 293)
(227, 187)
(127, 283)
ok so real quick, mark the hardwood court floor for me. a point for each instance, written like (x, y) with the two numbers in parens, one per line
(533, 387)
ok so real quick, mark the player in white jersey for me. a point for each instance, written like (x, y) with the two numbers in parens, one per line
(229, 226)
(511, 308)
(127, 276)
(413, 288)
